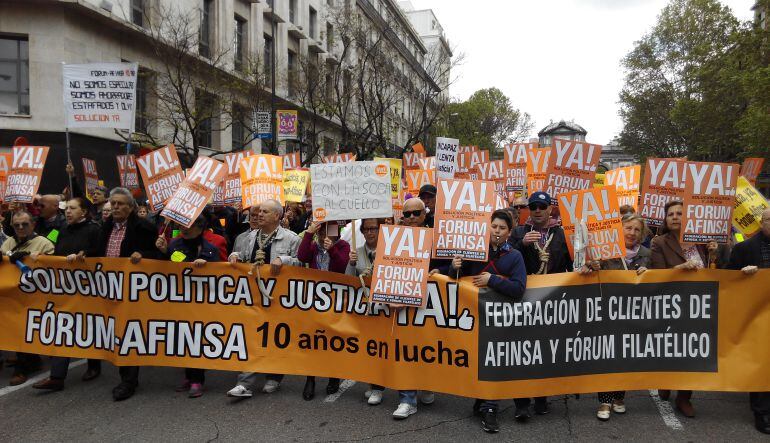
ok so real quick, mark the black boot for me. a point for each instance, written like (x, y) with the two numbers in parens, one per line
(489, 421)
(309, 392)
(333, 386)
(762, 422)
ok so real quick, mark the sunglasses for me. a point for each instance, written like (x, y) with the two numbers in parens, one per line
(409, 214)
(538, 207)
(520, 206)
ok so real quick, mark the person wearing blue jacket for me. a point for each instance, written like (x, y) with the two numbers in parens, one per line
(503, 272)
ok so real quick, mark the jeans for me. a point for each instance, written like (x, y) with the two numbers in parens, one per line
(247, 379)
(483, 405)
(408, 397)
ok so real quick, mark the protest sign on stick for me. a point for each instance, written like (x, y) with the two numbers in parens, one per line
(6, 160)
(626, 181)
(417, 178)
(709, 199)
(400, 272)
(339, 158)
(751, 168)
(412, 159)
(516, 166)
(572, 167)
(91, 177)
(232, 180)
(749, 205)
(261, 179)
(461, 226)
(599, 208)
(347, 191)
(129, 175)
(446, 157)
(538, 160)
(100, 95)
(161, 174)
(194, 193)
(663, 181)
(26, 171)
(295, 184)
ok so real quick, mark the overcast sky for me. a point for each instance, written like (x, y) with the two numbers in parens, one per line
(555, 59)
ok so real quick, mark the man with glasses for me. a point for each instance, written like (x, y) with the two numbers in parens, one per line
(543, 245)
(24, 242)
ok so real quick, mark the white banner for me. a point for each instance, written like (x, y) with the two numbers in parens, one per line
(347, 191)
(100, 95)
(446, 157)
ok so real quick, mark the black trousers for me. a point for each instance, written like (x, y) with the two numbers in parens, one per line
(129, 375)
(194, 375)
(26, 364)
(524, 402)
(760, 403)
(60, 366)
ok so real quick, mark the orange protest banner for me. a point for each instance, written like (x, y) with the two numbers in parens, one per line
(412, 159)
(418, 148)
(474, 159)
(339, 158)
(537, 168)
(291, 161)
(464, 149)
(494, 171)
(232, 180)
(626, 181)
(428, 163)
(6, 159)
(194, 193)
(599, 208)
(516, 166)
(129, 175)
(26, 170)
(218, 197)
(400, 273)
(91, 176)
(751, 168)
(261, 179)
(572, 167)
(663, 182)
(461, 226)
(161, 174)
(417, 178)
(709, 200)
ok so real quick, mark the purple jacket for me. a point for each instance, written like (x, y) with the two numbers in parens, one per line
(339, 253)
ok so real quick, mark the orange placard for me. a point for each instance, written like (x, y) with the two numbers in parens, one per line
(494, 171)
(291, 161)
(572, 167)
(516, 166)
(261, 179)
(6, 159)
(91, 176)
(626, 181)
(232, 181)
(412, 159)
(537, 168)
(599, 208)
(26, 170)
(339, 158)
(709, 200)
(129, 175)
(428, 163)
(751, 168)
(418, 148)
(461, 226)
(663, 182)
(464, 149)
(400, 273)
(474, 159)
(194, 193)
(417, 178)
(161, 174)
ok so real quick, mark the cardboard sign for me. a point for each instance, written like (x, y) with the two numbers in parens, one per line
(751, 168)
(709, 199)
(129, 175)
(348, 191)
(291, 161)
(100, 95)
(161, 174)
(749, 206)
(91, 177)
(516, 166)
(417, 178)
(626, 182)
(27, 163)
(412, 159)
(461, 227)
(339, 158)
(418, 148)
(663, 181)
(599, 207)
(261, 179)
(6, 160)
(295, 184)
(537, 168)
(232, 180)
(287, 124)
(446, 157)
(400, 273)
(195, 191)
(572, 167)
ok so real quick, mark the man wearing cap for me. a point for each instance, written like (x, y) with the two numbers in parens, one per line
(543, 245)
(428, 196)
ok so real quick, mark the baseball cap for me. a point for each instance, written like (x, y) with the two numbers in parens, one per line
(427, 189)
(540, 197)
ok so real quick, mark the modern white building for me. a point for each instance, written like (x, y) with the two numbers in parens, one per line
(432, 34)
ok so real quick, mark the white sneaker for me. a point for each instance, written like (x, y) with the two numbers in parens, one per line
(375, 398)
(619, 407)
(270, 386)
(368, 393)
(403, 411)
(427, 397)
(239, 391)
(603, 413)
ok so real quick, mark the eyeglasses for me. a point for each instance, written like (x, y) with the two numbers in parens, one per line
(409, 214)
(520, 207)
(21, 225)
(538, 207)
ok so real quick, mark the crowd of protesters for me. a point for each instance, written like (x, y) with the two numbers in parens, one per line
(113, 224)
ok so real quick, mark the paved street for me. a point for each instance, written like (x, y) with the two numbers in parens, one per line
(86, 412)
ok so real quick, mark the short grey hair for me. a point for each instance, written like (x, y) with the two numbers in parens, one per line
(125, 192)
(277, 206)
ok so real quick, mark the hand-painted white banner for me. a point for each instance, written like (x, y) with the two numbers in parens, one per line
(446, 157)
(100, 95)
(347, 191)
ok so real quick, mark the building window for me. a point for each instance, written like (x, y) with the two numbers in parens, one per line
(240, 36)
(329, 37)
(141, 122)
(204, 109)
(137, 12)
(313, 23)
(268, 56)
(292, 74)
(292, 11)
(204, 45)
(238, 128)
(14, 75)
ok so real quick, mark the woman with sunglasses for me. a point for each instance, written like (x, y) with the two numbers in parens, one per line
(321, 249)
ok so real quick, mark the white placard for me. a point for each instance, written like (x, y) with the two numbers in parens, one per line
(446, 157)
(353, 190)
(100, 95)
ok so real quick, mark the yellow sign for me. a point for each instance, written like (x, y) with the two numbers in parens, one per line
(749, 204)
(295, 184)
(395, 175)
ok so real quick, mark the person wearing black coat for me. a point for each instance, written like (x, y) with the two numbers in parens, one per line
(76, 240)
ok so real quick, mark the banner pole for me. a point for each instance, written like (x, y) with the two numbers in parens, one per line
(124, 174)
(69, 160)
